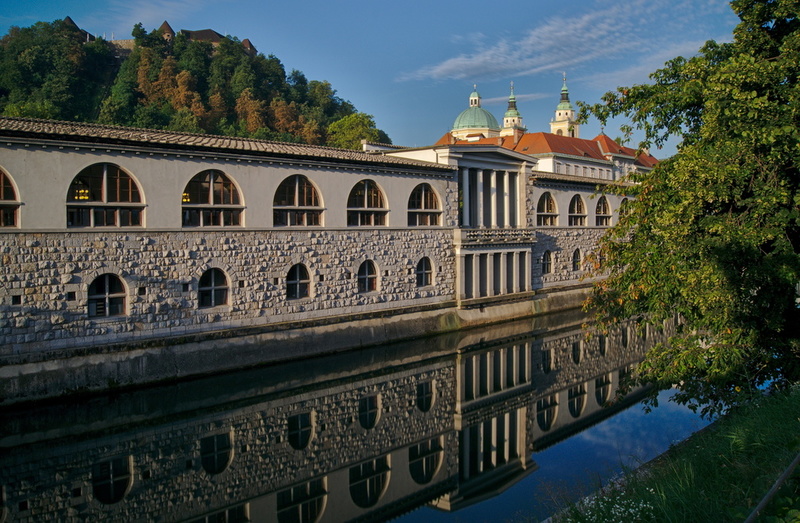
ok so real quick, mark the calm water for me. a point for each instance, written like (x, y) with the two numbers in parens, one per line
(484, 425)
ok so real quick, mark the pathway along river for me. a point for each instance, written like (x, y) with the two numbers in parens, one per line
(480, 425)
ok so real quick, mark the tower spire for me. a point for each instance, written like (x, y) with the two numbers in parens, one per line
(512, 119)
(564, 122)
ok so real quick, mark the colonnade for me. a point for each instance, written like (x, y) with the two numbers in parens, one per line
(493, 273)
(490, 198)
(492, 443)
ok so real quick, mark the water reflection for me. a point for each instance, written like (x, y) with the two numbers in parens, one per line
(368, 435)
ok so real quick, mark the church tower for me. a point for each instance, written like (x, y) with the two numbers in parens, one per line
(564, 123)
(512, 120)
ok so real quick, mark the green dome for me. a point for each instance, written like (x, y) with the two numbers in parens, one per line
(475, 117)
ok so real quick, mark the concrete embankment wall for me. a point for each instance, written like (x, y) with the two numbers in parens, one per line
(173, 358)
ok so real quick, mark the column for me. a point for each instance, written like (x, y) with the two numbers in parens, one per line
(507, 203)
(466, 211)
(493, 198)
(479, 188)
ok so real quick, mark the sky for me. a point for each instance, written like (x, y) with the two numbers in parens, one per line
(412, 65)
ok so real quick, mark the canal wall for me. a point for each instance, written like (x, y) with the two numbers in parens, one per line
(47, 373)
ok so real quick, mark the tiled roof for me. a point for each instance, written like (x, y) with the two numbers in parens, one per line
(30, 128)
(548, 143)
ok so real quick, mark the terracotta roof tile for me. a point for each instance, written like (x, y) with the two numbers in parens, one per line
(106, 134)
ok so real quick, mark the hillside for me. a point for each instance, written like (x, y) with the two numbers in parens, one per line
(193, 81)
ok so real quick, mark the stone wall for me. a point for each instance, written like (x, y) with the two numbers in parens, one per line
(48, 276)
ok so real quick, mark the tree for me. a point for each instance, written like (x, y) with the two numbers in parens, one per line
(713, 235)
(348, 132)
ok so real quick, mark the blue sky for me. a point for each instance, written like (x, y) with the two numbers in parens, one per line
(412, 64)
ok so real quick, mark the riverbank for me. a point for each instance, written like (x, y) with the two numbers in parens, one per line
(719, 474)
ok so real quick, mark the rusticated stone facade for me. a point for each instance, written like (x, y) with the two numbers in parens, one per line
(160, 271)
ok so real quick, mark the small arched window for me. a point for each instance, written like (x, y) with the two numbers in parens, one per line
(103, 195)
(577, 212)
(216, 453)
(425, 395)
(366, 205)
(212, 290)
(624, 207)
(602, 213)
(576, 260)
(546, 213)
(547, 262)
(296, 203)
(424, 273)
(111, 479)
(367, 277)
(297, 282)
(369, 409)
(211, 199)
(9, 203)
(423, 206)
(300, 430)
(106, 296)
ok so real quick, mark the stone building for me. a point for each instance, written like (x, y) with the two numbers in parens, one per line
(133, 256)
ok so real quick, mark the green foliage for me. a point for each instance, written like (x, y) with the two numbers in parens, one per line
(348, 132)
(51, 71)
(713, 234)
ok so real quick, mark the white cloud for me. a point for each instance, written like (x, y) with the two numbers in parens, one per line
(636, 33)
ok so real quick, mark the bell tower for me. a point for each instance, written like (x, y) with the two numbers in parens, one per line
(564, 123)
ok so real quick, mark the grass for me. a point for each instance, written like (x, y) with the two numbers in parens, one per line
(719, 474)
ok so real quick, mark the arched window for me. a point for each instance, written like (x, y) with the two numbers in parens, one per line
(576, 260)
(577, 351)
(103, 195)
(425, 395)
(296, 203)
(9, 204)
(624, 207)
(424, 273)
(577, 399)
(368, 481)
(212, 289)
(366, 205)
(602, 389)
(367, 277)
(297, 282)
(369, 409)
(577, 212)
(602, 213)
(111, 479)
(304, 503)
(424, 459)
(546, 213)
(216, 453)
(546, 412)
(300, 430)
(547, 262)
(423, 206)
(211, 199)
(106, 296)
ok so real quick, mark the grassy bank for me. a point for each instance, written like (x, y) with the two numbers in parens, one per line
(719, 474)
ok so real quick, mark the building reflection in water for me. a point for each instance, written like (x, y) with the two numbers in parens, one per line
(367, 435)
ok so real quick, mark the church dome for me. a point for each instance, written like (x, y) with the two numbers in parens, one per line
(475, 118)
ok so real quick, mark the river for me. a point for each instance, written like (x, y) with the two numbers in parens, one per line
(490, 424)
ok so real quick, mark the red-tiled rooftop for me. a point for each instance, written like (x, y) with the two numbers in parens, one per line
(597, 148)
